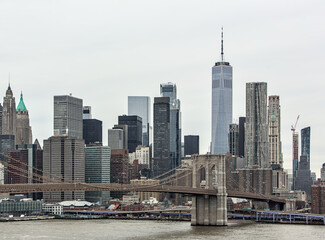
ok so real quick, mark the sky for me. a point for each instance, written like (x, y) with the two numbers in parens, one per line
(105, 51)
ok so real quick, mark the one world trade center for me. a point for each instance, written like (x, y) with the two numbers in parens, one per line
(221, 104)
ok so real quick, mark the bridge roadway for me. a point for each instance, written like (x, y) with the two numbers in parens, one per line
(63, 187)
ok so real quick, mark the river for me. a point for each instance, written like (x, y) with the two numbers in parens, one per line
(145, 230)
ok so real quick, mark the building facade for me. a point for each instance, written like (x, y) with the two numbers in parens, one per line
(241, 140)
(141, 106)
(256, 126)
(305, 143)
(9, 115)
(233, 139)
(161, 136)
(191, 144)
(120, 169)
(97, 170)
(169, 90)
(295, 156)
(134, 124)
(64, 157)
(68, 116)
(24, 130)
(275, 146)
(221, 112)
(322, 173)
(92, 131)
(115, 139)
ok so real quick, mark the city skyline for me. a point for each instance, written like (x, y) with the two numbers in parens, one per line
(60, 55)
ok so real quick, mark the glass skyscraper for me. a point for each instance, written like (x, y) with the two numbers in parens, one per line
(140, 106)
(169, 90)
(68, 116)
(221, 105)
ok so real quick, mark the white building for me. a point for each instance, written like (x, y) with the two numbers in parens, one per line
(55, 209)
(142, 154)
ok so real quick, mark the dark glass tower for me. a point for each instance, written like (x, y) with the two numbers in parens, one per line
(191, 144)
(305, 143)
(134, 124)
(169, 90)
(161, 136)
(241, 140)
(92, 131)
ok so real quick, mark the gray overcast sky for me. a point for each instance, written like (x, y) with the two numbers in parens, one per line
(104, 51)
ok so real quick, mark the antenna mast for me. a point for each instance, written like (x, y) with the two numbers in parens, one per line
(221, 44)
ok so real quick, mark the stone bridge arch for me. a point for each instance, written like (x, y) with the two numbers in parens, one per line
(209, 210)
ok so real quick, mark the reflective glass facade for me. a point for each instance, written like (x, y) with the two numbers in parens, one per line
(140, 106)
(221, 107)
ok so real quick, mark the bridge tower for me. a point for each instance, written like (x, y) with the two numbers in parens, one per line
(209, 172)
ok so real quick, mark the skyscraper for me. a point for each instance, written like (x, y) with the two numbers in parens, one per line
(86, 112)
(141, 106)
(115, 139)
(161, 136)
(322, 173)
(68, 116)
(169, 90)
(295, 157)
(233, 139)
(24, 130)
(256, 130)
(305, 143)
(134, 124)
(97, 170)
(241, 140)
(64, 157)
(9, 115)
(274, 116)
(191, 144)
(221, 104)
(92, 131)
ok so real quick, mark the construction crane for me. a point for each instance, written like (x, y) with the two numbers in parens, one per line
(293, 127)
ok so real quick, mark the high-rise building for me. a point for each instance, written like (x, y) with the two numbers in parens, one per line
(124, 128)
(7, 142)
(68, 116)
(30, 158)
(120, 169)
(256, 126)
(241, 140)
(295, 157)
(97, 170)
(233, 139)
(92, 131)
(169, 90)
(115, 139)
(9, 115)
(305, 143)
(86, 112)
(24, 130)
(191, 144)
(141, 106)
(275, 151)
(134, 124)
(303, 180)
(64, 157)
(322, 173)
(221, 104)
(161, 136)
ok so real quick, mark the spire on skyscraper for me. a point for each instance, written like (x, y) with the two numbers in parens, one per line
(221, 44)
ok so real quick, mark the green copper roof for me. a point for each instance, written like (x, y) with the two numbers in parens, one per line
(21, 106)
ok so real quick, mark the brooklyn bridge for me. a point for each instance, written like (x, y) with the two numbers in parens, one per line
(204, 180)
